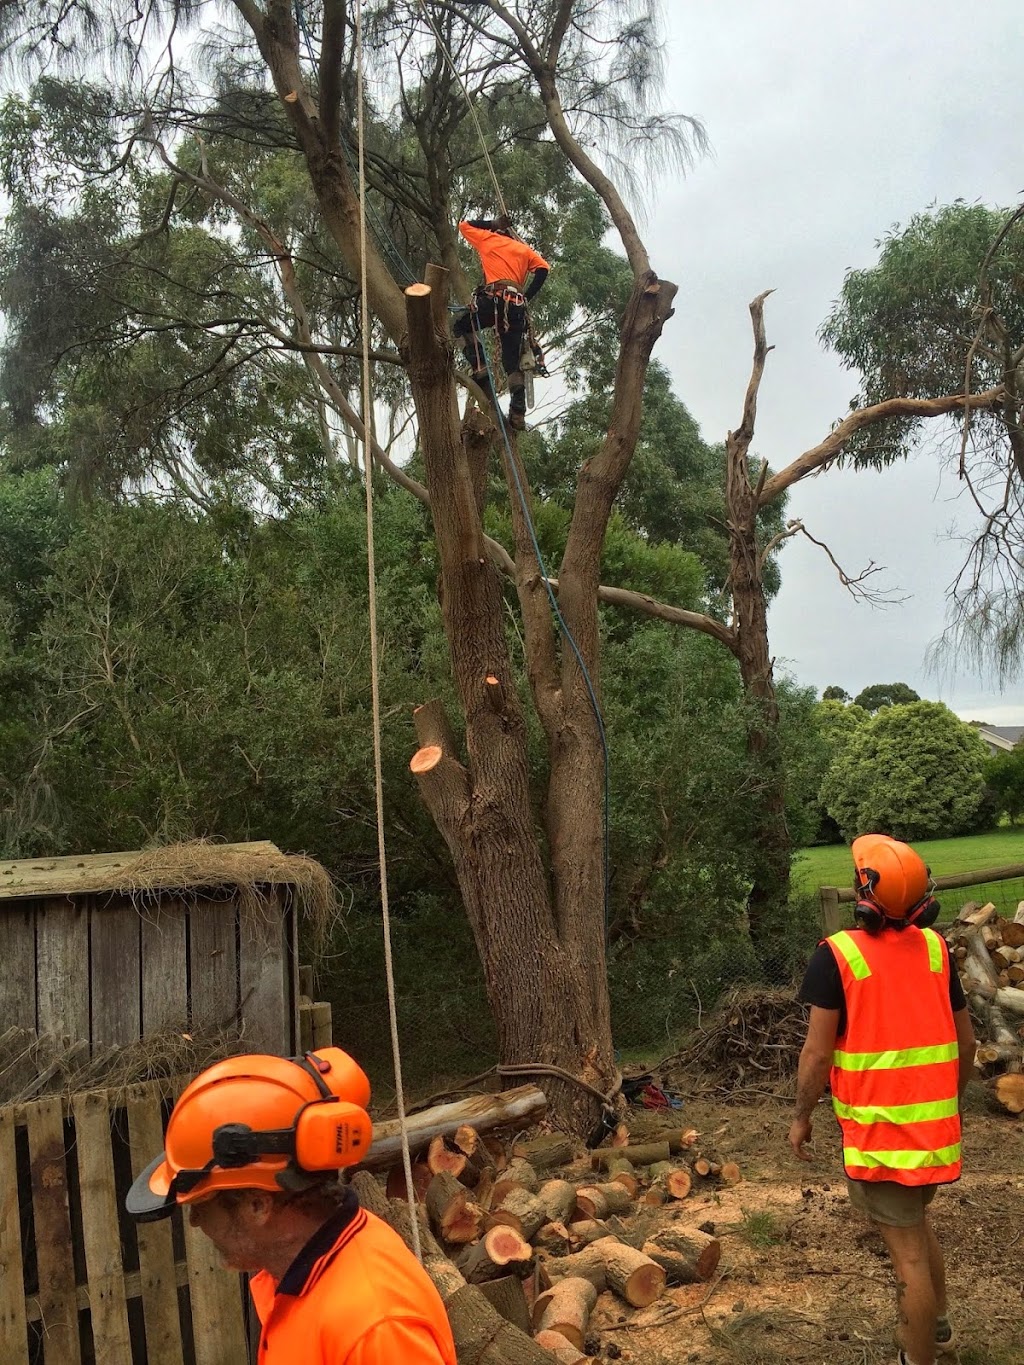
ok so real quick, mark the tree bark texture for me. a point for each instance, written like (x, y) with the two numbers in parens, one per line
(772, 844)
(545, 1008)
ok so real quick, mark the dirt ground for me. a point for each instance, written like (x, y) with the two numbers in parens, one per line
(802, 1278)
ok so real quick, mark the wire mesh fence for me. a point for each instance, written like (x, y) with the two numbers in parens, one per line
(661, 992)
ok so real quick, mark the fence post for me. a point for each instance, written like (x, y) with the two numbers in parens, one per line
(831, 916)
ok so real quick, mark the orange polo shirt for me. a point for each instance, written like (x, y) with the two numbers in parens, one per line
(354, 1295)
(503, 258)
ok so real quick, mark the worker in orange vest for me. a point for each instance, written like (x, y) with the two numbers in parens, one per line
(890, 1031)
(501, 302)
(252, 1153)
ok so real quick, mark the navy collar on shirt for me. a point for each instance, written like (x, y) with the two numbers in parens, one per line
(296, 1277)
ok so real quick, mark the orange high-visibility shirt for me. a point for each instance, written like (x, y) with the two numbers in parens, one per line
(895, 1070)
(503, 258)
(354, 1295)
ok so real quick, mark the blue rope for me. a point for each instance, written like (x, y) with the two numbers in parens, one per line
(570, 638)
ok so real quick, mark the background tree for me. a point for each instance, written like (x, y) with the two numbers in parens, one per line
(915, 772)
(943, 309)
(876, 696)
(1004, 778)
(835, 693)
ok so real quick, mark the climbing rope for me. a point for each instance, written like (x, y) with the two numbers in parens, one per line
(371, 569)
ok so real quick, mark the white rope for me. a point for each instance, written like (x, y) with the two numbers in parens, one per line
(371, 559)
(469, 105)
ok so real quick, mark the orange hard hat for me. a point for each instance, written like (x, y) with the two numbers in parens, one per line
(889, 875)
(258, 1122)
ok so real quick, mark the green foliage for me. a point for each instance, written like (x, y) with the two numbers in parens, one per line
(905, 325)
(1004, 778)
(836, 694)
(876, 696)
(915, 772)
(761, 1228)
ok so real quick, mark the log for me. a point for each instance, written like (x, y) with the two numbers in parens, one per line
(422, 1175)
(566, 1309)
(628, 1181)
(553, 1239)
(452, 1216)
(587, 1264)
(520, 1172)
(704, 1166)
(616, 1197)
(591, 1203)
(563, 1351)
(1010, 998)
(507, 1298)
(521, 1210)
(641, 1155)
(485, 1112)
(495, 1150)
(482, 1337)
(1019, 916)
(700, 1251)
(558, 1200)
(490, 1258)
(730, 1173)
(978, 963)
(582, 1234)
(440, 1157)
(633, 1276)
(1009, 1092)
(550, 1149)
(655, 1196)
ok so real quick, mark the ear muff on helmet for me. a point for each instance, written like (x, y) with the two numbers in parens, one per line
(258, 1121)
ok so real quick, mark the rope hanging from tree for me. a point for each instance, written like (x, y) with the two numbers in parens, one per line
(371, 569)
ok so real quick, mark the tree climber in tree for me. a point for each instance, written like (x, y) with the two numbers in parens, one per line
(500, 302)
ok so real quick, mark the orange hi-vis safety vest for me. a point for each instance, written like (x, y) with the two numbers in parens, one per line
(503, 258)
(355, 1295)
(895, 1071)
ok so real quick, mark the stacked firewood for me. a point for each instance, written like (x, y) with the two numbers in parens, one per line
(528, 1234)
(989, 953)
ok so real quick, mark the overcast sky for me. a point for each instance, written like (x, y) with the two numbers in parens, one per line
(829, 124)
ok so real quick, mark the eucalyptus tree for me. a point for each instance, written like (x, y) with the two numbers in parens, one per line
(943, 308)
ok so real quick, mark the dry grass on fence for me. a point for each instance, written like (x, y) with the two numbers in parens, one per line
(200, 864)
(748, 1048)
(33, 1066)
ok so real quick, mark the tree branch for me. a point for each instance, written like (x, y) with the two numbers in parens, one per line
(832, 446)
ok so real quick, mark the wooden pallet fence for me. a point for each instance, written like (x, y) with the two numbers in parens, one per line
(316, 1025)
(80, 1282)
(832, 897)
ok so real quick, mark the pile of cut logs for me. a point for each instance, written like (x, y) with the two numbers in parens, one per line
(521, 1239)
(989, 953)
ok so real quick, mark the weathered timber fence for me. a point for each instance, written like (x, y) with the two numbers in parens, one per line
(106, 966)
(80, 1282)
(832, 897)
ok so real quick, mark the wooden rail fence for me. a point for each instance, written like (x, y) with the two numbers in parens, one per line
(80, 1282)
(832, 897)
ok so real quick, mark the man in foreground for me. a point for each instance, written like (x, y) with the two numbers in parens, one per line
(889, 1029)
(252, 1150)
(500, 302)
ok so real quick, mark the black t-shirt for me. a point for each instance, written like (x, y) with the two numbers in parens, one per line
(823, 986)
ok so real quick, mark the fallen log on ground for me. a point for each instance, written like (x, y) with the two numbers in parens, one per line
(516, 1107)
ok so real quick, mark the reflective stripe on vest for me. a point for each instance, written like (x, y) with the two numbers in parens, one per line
(895, 1058)
(902, 1161)
(896, 1113)
(894, 1076)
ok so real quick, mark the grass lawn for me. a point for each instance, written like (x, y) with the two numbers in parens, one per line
(831, 865)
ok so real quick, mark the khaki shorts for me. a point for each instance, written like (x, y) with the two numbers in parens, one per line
(885, 1201)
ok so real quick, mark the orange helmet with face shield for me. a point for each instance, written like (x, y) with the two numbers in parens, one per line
(258, 1122)
(892, 883)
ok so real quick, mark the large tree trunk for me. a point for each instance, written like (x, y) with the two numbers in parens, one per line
(544, 1009)
(769, 892)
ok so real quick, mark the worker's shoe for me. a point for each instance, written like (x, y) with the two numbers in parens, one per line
(945, 1338)
(517, 402)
